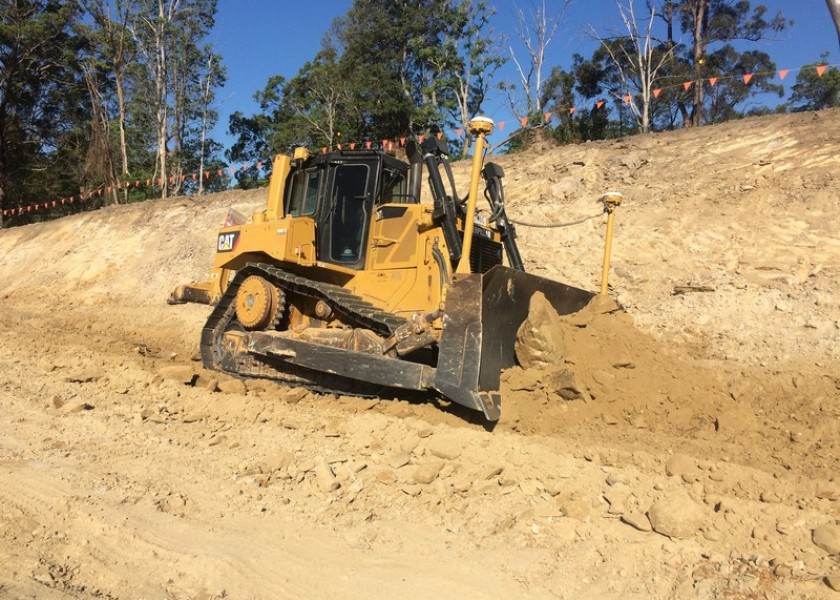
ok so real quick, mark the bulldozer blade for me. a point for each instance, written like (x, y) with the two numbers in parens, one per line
(483, 314)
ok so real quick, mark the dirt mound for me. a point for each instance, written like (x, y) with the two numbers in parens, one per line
(684, 447)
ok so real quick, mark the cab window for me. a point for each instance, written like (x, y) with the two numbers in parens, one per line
(303, 192)
(349, 214)
(394, 187)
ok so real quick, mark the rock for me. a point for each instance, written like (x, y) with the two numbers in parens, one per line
(445, 448)
(276, 462)
(531, 487)
(677, 516)
(829, 493)
(575, 507)
(540, 341)
(179, 373)
(425, 432)
(562, 382)
(90, 376)
(233, 386)
(386, 476)
(678, 465)
(295, 395)
(56, 401)
(491, 472)
(427, 472)
(833, 581)
(399, 460)
(76, 407)
(637, 520)
(411, 489)
(306, 465)
(325, 477)
(827, 537)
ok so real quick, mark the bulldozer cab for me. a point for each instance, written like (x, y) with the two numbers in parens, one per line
(341, 192)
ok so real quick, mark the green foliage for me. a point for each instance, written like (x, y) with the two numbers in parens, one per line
(385, 70)
(814, 92)
(75, 110)
(41, 121)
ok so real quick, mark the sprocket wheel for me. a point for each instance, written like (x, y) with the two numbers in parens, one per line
(258, 303)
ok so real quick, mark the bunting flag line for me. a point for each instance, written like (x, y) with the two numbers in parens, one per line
(745, 78)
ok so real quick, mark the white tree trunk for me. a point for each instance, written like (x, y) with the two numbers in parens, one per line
(834, 9)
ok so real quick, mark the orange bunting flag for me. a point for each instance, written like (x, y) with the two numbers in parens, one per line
(440, 135)
(194, 176)
(352, 145)
(713, 81)
(501, 125)
(137, 183)
(687, 85)
(821, 70)
(524, 121)
(627, 99)
(547, 116)
(338, 146)
(402, 141)
(160, 181)
(323, 149)
(420, 138)
(220, 172)
(108, 189)
(183, 177)
(747, 78)
(600, 103)
(459, 132)
(53, 203)
(656, 92)
(206, 174)
(368, 144)
(572, 110)
(245, 167)
(783, 73)
(385, 144)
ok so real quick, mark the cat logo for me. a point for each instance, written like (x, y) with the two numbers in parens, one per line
(228, 241)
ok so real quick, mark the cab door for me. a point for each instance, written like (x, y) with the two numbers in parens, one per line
(346, 216)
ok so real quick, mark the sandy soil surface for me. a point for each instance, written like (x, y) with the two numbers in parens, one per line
(686, 448)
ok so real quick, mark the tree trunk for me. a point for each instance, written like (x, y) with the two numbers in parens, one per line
(700, 14)
(161, 98)
(834, 9)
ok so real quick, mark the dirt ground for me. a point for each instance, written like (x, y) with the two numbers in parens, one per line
(688, 447)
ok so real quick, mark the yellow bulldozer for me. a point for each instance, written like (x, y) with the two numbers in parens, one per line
(353, 280)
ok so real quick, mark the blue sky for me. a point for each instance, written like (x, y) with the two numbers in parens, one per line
(262, 38)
